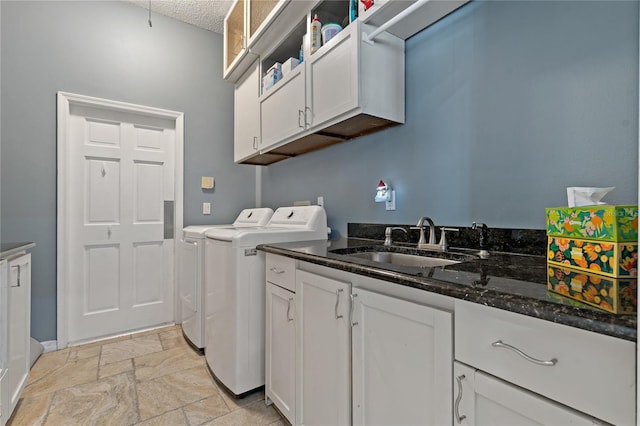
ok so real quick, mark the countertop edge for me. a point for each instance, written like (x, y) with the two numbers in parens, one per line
(559, 314)
(16, 248)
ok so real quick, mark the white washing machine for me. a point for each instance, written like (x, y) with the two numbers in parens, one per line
(191, 271)
(235, 293)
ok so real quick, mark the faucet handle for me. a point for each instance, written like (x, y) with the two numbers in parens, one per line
(443, 237)
(387, 234)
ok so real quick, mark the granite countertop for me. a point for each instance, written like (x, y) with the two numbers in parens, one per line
(9, 249)
(513, 282)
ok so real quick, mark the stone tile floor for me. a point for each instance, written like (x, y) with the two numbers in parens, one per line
(148, 378)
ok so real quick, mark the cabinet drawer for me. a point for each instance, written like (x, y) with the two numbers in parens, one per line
(592, 373)
(281, 271)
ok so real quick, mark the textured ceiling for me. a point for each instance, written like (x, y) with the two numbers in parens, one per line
(207, 14)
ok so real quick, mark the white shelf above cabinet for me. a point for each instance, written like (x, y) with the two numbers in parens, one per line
(430, 12)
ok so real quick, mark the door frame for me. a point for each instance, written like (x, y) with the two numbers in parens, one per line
(64, 101)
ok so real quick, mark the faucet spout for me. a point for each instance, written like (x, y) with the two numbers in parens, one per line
(432, 230)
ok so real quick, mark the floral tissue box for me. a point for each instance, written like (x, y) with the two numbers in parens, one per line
(604, 258)
(600, 222)
(618, 296)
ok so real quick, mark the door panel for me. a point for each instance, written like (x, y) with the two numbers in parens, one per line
(120, 173)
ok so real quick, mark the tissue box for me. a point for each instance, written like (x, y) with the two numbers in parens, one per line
(618, 296)
(599, 222)
(289, 65)
(603, 258)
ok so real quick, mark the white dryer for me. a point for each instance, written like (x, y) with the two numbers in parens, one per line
(235, 293)
(191, 271)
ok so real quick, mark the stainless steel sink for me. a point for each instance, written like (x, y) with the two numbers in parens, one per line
(403, 259)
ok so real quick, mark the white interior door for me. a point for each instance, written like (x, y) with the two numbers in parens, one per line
(118, 194)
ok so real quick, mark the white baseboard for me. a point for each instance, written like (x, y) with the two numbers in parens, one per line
(50, 345)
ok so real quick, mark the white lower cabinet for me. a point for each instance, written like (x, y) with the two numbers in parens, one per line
(19, 340)
(323, 344)
(482, 399)
(280, 349)
(402, 362)
(4, 306)
(589, 372)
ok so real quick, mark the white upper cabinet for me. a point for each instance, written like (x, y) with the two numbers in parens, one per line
(246, 115)
(282, 109)
(251, 26)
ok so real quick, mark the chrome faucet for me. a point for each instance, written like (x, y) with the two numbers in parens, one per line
(387, 234)
(432, 231)
(484, 239)
(431, 245)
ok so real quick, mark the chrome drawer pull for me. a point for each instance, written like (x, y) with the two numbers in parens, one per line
(335, 308)
(18, 277)
(353, 323)
(500, 344)
(456, 409)
(289, 309)
(276, 270)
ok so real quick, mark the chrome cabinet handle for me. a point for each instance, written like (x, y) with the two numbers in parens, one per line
(188, 242)
(109, 232)
(255, 142)
(353, 323)
(289, 309)
(276, 270)
(500, 344)
(456, 408)
(300, 113)
(18, 280)
(335, 308)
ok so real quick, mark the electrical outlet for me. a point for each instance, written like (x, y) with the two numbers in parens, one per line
(206, 208)
(391, 204)
(321, 201)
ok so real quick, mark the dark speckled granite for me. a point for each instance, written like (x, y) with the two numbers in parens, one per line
(522, 241)
(513, 282)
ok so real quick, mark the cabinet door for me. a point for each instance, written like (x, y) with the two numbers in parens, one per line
(402, 362)
(323, 341)
(333, 77)
(280, 350)
(4, 354)
(482, 399)
(19, 326)
(234, 34)
(259, 11)
(282, 109)
(246, 115)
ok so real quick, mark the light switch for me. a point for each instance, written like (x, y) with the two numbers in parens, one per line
(206, 208)
(207, 182)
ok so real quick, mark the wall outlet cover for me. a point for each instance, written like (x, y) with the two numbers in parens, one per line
(206, 208)
(391, 204)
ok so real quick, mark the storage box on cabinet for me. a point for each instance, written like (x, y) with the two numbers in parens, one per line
(589, 372)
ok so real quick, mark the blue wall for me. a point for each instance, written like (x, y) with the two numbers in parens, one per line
(507, 104)
(105, 49)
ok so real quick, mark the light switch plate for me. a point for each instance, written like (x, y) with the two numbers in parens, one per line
(207, 182)
(206, 208)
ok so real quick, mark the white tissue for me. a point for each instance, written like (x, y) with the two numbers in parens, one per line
(585, 196)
